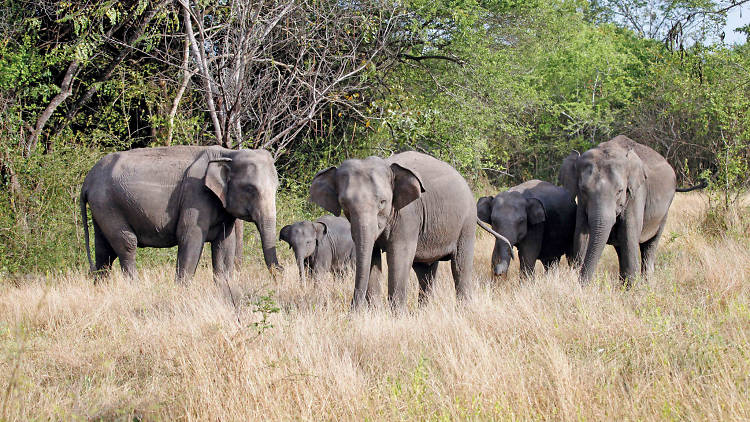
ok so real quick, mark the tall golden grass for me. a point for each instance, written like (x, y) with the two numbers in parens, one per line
(672, 347)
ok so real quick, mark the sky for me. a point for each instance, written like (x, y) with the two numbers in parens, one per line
(735, 21)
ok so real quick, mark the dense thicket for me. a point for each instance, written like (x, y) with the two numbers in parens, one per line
(502, 89)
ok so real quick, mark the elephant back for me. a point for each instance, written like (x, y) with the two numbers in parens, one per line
(439, 179)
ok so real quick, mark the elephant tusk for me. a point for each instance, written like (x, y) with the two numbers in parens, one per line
(486, 226)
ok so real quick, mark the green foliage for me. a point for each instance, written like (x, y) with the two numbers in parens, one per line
(41, 228)
(500, 89)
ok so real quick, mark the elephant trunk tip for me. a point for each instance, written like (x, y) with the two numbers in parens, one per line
(500, 269)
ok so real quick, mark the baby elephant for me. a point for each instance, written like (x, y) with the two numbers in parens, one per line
(537, 217)
(321, 246)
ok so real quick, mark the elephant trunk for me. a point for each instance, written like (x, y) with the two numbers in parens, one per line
(300, 263)
(267, 229)
(364, 234)
(600, 225)
(501, 257)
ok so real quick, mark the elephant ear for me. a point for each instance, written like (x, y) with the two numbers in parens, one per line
(323, 191)
(636, 172)
(407, 186)
(284, 235)
(484, 209)
(568, 176)
(535, 211)
(320, 230)
(217, 178)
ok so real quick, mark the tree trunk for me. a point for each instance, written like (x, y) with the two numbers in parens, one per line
(203, 66)
(66, 89)
(186, 76)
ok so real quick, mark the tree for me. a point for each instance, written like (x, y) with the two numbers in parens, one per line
(678, 23)
(268, 68)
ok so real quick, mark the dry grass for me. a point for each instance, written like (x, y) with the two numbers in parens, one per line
(675, 347)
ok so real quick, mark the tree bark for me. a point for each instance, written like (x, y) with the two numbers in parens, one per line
(66, 89)
(186, 76)
(203, 66)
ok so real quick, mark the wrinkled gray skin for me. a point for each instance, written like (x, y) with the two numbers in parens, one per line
(537, 217)
(321, 246)
(416, 208)
(183, 196)
(624, 191)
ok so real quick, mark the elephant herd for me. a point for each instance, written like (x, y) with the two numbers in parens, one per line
(415, 208)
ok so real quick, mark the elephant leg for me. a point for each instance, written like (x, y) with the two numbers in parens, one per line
(648, 251)
(103, 253)
(628, 250)
(400, 256)
(239, 231)
(189, 248)
(223, 255)
(529, 249)
(462, 262)
(124, 243)
(526, 264)
(548, 262)
(425, 275)
(373, 286)
(322, 265)
(580, 238)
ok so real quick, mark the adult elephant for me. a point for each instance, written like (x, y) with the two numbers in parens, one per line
(416, 208)
(320, 246)
(537, 217)
(183, 196)
(624, 191)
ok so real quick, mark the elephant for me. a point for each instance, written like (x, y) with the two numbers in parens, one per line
(624, 191)
(321, 246)
(183, 196)
(537, 217)
(416, 208)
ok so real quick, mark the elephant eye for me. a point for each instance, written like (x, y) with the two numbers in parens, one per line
(381, 204)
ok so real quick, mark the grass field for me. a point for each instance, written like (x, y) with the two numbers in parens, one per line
(674, 347)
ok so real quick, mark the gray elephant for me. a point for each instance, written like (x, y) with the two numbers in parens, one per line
(416, 208)
(624, 191)
(321, 246)
(537, 217)
(183, 196)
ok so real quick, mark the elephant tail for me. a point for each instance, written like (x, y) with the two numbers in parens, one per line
(84, 218)
(700, 185)
(497, 235)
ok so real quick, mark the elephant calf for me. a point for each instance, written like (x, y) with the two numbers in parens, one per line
(321, 246)
(537, 217)
(183, 196)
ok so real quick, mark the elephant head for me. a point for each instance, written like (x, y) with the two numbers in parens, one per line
(245, 181)
(370, 192)
(510, 214)
(303, 237)
(604, 180)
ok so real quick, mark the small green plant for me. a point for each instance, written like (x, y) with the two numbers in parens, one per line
(265, 305)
